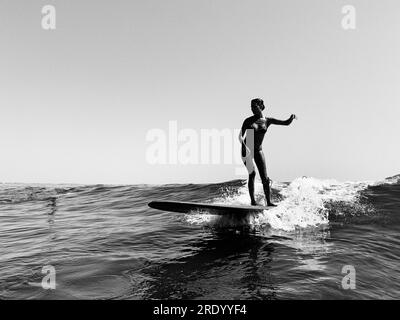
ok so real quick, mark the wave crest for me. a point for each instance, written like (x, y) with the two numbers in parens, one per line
(305, 202)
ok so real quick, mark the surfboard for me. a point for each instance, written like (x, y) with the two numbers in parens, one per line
(218, 209)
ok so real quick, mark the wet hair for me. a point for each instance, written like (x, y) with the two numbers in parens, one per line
(257, 102)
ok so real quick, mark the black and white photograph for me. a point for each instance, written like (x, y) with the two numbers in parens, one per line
(199, 150)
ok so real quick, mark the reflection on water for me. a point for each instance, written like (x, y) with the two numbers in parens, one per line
(240, 262)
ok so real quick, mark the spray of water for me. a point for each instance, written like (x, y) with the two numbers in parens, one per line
(304, 204)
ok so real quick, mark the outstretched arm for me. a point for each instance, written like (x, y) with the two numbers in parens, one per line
(281, 122)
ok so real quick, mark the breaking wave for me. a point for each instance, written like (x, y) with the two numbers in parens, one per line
(305, 202)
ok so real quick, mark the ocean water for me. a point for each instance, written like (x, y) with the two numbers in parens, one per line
(104, 242)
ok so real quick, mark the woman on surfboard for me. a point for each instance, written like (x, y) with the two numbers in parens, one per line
(255, 128)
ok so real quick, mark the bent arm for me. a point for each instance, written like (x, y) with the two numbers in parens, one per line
(242, 132)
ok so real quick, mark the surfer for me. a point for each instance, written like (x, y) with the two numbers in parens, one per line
(255, 128)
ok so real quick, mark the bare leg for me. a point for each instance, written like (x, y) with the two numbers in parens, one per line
(252, 177)
(267, 192)
(262, 169)
(249, 163)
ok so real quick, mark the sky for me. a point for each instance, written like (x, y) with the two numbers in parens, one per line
(77, 103)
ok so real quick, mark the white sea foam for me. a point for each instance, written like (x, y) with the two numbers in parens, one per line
(303, 204)
(390, 180)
